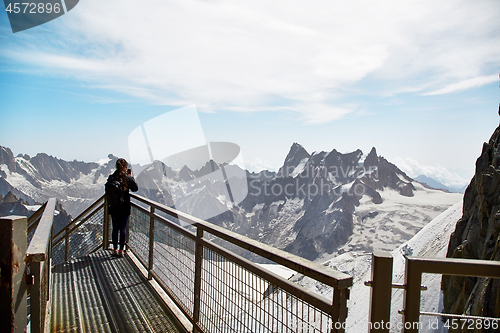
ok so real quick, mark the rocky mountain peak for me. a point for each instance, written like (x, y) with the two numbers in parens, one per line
(477, 236)
(25, 156)
(207, 169)
(296, 154)
(371, 159)
(7, 158)
(186, 174)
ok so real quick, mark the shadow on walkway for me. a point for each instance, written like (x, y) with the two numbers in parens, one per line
(102, 293)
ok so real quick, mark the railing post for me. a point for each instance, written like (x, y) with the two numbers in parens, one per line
(106, 226)
(35, 296)
(151, 242)
(339, 311)
(49, 263)
(411, 312)
(381, 292)
(66, 245)
(197, 279)
(38, 256)
(13, 302)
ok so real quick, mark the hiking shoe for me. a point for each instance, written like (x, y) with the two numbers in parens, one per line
(115, 253)
(120, 253)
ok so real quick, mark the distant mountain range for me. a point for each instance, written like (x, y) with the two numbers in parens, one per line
(11, 205)
(432, 183)
(310, 207)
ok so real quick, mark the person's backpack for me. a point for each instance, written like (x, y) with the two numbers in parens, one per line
(114, 194)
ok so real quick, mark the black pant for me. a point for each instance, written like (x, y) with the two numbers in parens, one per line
(119, 228)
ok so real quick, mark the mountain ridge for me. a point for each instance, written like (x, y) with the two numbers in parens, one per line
(309, 207)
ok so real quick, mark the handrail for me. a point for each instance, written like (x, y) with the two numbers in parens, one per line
(317, 300)
(416, 266)
(310, 297)
(38, 257)
(79, 217)
(318, 272)
(74, 225)
(381, 287)
(33, 220)
(335, 310)
(37, 250)
(81, 221)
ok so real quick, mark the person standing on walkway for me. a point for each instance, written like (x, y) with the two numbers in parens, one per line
(120, 213)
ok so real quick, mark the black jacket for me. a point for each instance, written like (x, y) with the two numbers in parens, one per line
(131, 186)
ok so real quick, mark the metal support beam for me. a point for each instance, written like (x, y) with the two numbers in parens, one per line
(37, 317)
(106, 226)
(411, 313)
(339, 310)
(415, 266)
(13, 303)
(66, 246)
(38, 256)
(197, 279)
(151, 242)
(381, 292)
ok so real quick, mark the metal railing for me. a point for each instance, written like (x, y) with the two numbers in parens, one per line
(83, 235)
(25, 253)
(35, 249)
(380, 303)
(219, 291)
(216, 289)
(38, 262)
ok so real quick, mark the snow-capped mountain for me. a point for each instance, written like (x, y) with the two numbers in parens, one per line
(75, 184)
(316, 202)
(312, 207)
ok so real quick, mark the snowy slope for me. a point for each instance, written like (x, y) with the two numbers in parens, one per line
(430, 241)
(385, 226)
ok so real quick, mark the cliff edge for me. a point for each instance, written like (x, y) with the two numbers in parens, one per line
(476, 236)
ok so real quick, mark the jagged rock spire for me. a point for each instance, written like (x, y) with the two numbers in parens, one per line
(296, 154)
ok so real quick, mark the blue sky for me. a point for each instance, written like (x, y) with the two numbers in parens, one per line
(416, 79)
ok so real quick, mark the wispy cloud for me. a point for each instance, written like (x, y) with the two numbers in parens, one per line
(414, 169)
(315, 114)
(252, 53)
(466, 84)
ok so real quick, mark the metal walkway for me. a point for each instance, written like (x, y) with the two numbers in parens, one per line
(103, 293)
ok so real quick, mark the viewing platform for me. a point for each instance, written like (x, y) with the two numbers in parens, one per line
(178, 275)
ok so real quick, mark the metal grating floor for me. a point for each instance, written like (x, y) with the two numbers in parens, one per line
(102, 293)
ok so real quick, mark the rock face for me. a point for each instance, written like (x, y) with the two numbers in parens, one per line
(476, 236)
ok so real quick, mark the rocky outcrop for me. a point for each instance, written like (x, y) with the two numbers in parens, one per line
(477, 236)
(387, 175)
